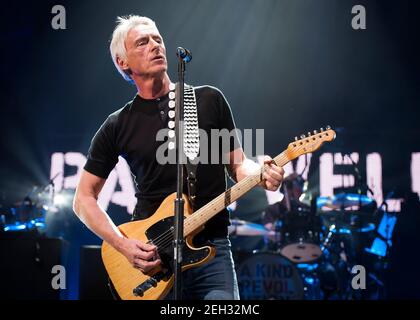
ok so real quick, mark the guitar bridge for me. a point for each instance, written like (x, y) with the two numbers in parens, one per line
(149, 283)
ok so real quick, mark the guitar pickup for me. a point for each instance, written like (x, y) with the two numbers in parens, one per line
(149, 283)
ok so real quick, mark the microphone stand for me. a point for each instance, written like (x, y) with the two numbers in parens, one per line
(51, 186)
(359, 218)
(361, 187)
(179, 201)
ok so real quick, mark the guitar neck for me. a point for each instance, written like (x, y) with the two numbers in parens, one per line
(201, 216)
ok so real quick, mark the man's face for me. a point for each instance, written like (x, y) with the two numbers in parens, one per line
(146, 53)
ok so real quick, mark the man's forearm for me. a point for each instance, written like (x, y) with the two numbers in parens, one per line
(246, 168)
(97, 220)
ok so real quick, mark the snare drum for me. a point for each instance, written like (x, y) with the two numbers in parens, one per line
(269, 276)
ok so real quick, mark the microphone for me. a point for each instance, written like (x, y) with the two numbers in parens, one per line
(184, 54)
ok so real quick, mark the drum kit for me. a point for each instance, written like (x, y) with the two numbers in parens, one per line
(23, 216)
(307, 253)
(310, 251)
(28, 216)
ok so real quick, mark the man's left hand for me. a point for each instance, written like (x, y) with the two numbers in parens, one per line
(272, 176)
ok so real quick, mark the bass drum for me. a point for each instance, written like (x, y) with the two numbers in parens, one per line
(269, 276)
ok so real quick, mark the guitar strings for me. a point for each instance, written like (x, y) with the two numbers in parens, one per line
(165, 239)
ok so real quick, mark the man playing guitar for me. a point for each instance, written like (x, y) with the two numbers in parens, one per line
(138, 52)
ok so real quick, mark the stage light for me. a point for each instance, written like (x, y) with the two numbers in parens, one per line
(63, 199)
(59, 200)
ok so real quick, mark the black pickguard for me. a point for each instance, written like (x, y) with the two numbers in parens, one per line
(163, 229)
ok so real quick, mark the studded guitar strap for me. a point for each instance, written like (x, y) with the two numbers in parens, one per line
(191, 139)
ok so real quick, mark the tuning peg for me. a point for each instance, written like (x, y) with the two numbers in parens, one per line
(322, 129)
(315, 131)
(296, 138)
(309, 134)
(302, 136)
(328, 128)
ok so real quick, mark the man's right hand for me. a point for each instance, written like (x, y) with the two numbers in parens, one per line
(141, 255)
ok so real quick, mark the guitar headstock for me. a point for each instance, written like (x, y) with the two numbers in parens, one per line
(310, 142)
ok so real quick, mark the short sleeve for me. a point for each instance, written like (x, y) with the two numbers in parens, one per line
(103, 155)
(227, 121)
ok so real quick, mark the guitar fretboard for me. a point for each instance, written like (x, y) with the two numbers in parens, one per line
(201, 216)
(295, 149)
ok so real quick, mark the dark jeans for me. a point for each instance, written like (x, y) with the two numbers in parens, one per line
(215, 280)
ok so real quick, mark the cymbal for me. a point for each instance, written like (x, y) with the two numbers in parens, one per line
(348, 221)
(245, 228)
(343, 200)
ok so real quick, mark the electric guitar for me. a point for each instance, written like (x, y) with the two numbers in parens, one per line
(131, 284)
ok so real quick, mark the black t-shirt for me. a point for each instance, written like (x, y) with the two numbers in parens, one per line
(131, 131)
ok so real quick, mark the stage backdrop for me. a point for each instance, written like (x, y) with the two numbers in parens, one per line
(287, 67)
